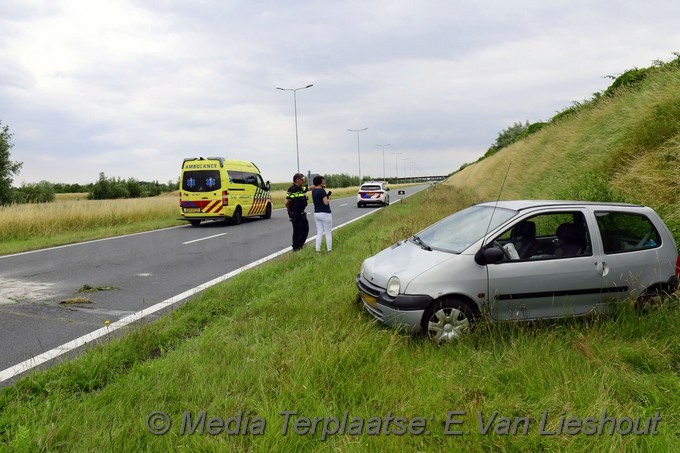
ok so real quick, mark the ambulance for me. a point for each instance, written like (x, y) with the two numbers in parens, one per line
(214, 188)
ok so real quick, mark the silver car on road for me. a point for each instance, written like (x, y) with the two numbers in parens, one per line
(520, 260)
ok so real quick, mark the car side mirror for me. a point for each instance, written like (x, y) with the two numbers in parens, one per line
(267, 186)
(490, 255)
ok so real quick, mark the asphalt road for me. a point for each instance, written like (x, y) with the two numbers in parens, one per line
(137, 271)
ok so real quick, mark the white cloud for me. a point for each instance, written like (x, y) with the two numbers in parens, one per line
(130, 88)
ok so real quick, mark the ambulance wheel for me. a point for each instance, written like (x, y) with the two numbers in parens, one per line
(237, 218)
(195, 222)
(268, 212)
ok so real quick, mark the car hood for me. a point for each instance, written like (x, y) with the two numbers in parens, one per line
(405, 259)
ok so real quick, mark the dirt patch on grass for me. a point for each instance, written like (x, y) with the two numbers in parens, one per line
(76, 300)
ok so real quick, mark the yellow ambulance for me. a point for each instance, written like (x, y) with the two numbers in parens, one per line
(214, 188)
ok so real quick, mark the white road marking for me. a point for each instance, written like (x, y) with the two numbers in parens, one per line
(33, 362)
(344, 204)
(203, 239)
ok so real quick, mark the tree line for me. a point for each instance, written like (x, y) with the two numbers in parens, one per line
(104, 189)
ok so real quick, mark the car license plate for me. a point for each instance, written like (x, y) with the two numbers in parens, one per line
(192, 210)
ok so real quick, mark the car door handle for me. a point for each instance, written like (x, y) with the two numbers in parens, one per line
(602, 268)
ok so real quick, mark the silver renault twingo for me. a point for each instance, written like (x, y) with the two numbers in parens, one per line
(520, 260)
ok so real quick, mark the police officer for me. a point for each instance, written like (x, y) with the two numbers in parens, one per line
(296, 202)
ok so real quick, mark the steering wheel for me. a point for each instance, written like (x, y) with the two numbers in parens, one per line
(505, 252)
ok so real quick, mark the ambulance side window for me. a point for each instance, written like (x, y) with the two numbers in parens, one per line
(236, 177)
(260, 182)
(249, 178)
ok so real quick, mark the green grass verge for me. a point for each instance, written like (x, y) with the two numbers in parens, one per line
(290, 336)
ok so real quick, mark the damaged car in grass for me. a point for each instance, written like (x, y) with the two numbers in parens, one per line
(520, 260)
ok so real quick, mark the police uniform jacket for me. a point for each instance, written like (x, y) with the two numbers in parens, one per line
(298, 199)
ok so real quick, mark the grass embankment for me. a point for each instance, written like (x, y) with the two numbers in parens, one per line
(71, 218)
(625, 148)
(289, 336)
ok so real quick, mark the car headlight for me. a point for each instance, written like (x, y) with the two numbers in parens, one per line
(393, 286)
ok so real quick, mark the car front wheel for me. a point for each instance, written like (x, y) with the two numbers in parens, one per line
(447, 320)
(268, 212)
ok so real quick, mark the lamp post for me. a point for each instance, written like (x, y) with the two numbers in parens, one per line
(358, 149)
(297, 146)
(396, 164)
(383, 149)
(405, 159)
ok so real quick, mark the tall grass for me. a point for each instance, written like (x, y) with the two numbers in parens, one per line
(274, 340)
(27, 220)
(37, 225)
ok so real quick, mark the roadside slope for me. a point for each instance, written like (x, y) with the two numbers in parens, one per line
(624, 148)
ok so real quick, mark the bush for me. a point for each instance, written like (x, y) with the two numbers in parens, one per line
(42, 192)
(343, 180)
(507, 137)
(629, 78)
(112, 188)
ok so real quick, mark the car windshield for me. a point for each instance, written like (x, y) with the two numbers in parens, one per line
(459, 231)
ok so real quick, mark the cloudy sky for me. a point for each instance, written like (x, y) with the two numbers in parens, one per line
(131, 87)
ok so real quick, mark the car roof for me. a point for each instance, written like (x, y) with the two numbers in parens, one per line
(519, 205)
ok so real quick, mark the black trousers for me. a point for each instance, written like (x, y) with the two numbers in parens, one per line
(300, 230)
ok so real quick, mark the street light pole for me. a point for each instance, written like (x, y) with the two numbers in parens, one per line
(396, 164)
(297, 146)
(383, 149)
(358, 149)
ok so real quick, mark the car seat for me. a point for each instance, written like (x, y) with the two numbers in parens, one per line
(524, 238)
(571, 240)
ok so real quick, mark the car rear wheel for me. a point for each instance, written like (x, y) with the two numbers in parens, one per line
(446, 320)
(360, 205)
(237, 218)
(651, 299)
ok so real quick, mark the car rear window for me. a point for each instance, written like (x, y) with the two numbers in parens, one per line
(371, 188)
(626, 232)
(201, 181)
